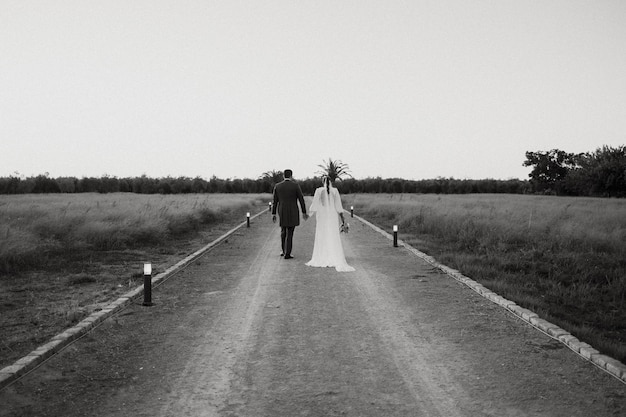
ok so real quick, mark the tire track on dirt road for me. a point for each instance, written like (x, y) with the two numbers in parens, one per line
(299, 340)
(206, 380)
(330, 345)
(407, 344)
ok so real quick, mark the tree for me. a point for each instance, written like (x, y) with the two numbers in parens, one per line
(335, 170)
(550, 168)
(269, 179)
(45, 184)
(272, 176)
(605, 171)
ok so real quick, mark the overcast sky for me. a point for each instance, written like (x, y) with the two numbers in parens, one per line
(412, 89)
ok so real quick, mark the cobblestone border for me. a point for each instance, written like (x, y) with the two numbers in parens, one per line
(21, 367)
(586, 351)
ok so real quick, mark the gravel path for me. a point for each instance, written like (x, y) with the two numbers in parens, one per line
(243, 332)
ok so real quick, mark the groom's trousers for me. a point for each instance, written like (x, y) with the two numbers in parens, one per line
(286, 239)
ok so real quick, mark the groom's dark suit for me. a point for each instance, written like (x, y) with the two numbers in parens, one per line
(287, 194)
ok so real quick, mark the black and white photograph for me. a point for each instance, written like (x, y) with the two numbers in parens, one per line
(259, 208)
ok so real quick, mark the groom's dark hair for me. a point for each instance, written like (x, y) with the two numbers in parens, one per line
(288, 173)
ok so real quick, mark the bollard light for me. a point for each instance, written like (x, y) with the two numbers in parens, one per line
(270, 206)
(147, 285)
(395, 235)
(248, 219)
(351, 211)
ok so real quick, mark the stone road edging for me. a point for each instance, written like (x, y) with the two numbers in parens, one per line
(31, 361)
(606, 363)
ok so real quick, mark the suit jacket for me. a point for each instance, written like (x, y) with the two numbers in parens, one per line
(287, 194)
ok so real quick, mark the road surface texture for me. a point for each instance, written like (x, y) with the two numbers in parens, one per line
(243, 332)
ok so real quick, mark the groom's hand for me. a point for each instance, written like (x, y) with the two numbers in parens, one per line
(273, 218)
(306, 216)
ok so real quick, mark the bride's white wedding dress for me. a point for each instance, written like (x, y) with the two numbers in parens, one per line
(327, 248)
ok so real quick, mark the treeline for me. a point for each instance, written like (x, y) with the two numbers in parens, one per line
(138, 185)
(432, 186)
(184, 185)
(601, 173)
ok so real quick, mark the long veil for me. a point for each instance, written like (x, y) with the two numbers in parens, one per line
(328, 249)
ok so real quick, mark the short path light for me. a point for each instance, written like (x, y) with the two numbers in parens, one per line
(351, 211)
(248, 219)
(147, 285)
(270, 206)
(395, 235)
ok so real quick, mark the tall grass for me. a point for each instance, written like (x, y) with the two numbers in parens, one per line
(63, 256)
(36, 227)
(564, 258)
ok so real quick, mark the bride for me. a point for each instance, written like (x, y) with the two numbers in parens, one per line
(327, 248)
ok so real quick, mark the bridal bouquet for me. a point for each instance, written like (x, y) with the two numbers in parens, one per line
(344, 228)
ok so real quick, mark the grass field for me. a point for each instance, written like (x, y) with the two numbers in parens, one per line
(63, 256)
(564, 258)
(35, 227)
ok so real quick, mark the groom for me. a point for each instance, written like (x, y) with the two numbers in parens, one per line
(287, 194)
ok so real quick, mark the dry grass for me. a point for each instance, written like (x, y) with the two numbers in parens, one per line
(564, 258)
(63, 256)
(34, 228)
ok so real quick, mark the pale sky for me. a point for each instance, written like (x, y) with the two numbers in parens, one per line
(412, 89)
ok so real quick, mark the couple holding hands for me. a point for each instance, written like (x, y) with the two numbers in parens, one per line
(327, 247)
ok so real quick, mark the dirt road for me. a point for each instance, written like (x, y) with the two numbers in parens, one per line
(243, 332)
